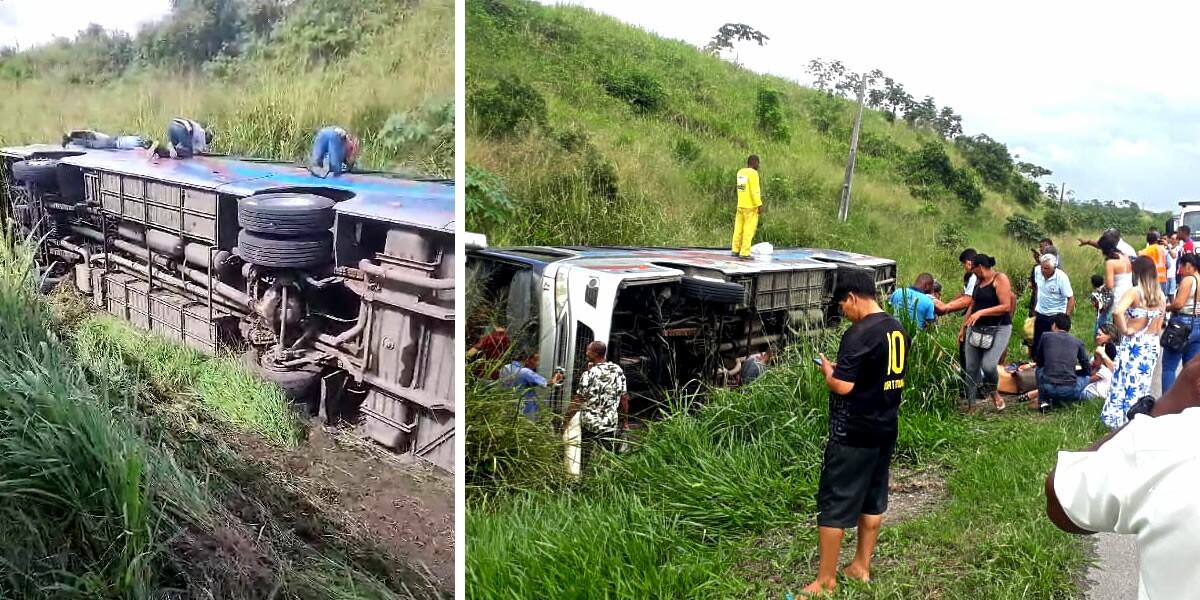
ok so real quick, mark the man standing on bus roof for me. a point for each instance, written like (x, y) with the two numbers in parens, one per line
(185, 139)
(336, 144)
(749, 206)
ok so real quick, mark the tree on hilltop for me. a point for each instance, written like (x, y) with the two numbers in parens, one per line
(734, 32)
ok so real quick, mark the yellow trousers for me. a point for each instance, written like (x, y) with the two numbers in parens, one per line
(743, 230)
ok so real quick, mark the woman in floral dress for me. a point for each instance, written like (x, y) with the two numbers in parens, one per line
(1139, 317)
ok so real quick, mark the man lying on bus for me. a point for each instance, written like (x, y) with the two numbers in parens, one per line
(338, 146)
(95, 140)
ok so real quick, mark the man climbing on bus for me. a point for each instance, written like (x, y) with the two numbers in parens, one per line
(338, 146)
(185, 139)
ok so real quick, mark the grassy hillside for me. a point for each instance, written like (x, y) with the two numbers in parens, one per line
(131, 467)
(382, 68)
(586, 120)
(585, 130)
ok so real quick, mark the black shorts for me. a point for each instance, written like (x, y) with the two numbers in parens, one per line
(854, 481)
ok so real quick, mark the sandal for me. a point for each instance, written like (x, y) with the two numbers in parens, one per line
(1000, 405)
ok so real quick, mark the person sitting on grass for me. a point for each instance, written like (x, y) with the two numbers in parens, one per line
(865, 388)
(1063, 370)
(1102, 368)
(1141, 480)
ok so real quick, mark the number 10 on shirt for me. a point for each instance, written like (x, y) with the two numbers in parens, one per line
(896, 357)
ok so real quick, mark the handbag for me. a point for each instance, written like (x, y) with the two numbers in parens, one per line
(1175, 335)
(982, 337)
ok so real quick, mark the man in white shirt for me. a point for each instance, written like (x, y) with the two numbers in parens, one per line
(1142, 479)
(1115, 236)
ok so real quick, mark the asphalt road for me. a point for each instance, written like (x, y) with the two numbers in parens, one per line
(1115, 576)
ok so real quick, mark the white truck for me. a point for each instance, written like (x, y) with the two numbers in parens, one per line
(1188, 214)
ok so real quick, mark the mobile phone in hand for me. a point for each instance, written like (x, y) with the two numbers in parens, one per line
(818, 361)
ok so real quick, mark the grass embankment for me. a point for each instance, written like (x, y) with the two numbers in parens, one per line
(105, 497)
(719, 501)
(220, 385)
(269, 103)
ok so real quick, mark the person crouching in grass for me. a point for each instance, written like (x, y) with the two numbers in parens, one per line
(865, 386)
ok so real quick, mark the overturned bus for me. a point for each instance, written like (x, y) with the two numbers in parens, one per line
(672, 317)
(341, 290)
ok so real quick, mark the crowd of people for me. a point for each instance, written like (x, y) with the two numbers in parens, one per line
(1134, 337)
(334, 149)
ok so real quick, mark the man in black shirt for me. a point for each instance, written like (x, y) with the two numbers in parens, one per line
(1063, 368)
(865, 387)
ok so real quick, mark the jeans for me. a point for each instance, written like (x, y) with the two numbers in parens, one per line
(330, 144)
(1166, 288)
(984, 361)
(1058, 394)
(179, 137)
(1104, 316)
(1171, 359)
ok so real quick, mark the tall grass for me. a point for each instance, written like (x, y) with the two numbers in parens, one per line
(220, 385)
(731, 482)
(99, 500)
(267, 107)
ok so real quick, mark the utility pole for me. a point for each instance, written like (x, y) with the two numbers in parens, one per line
(1062, 193)
(844, 210)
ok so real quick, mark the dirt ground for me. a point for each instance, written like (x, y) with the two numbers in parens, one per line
(407, 507)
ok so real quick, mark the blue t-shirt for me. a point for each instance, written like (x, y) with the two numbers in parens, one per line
(1052, 292)
(913, 305)
(514, 376)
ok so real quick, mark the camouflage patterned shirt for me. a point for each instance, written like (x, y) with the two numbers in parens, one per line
(601, 388)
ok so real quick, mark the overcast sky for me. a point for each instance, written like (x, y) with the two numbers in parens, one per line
(1107, 99)
(25, 23)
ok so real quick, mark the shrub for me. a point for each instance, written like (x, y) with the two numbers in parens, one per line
(1026, 192)
(951, 235)
(966, 188)
(930, 165)
(768, 111)
(929, 209)
(431, 123)
(487, 198)
(1055, 221)
(827, 115)
(1023, 229)
(685, 150)
(508, 107)
(640, 89)
(601, 176)
(573, 139)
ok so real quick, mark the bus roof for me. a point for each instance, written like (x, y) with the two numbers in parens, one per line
(423, 204)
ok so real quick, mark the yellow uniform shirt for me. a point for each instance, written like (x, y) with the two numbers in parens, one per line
(748, 192)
